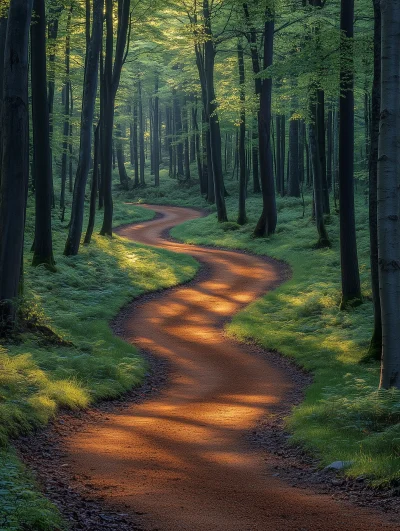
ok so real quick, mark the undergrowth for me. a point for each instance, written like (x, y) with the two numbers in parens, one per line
(344, 416)
(68, 356)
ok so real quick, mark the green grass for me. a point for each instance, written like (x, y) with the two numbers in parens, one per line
(86, 362)
(343, 416)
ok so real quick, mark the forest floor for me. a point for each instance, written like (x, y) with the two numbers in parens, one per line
(196, 454)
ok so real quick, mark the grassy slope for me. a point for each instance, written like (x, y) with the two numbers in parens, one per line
(343, 417)
(77, 302)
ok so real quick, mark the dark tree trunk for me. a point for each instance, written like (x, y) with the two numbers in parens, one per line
(135, 144)
(351, 289)
(375, 349)
(94, 188)
(156, 134)
(187, 143)
(323, 239)
(196, 134)
(3, 35)
(256, 169)
(322, 147)
(329, 169)
(43, 243)
(112, 76)
(178, 136)
(15, 157)
(242, 217)
(141, 135)
(294, 177)
(215, 132)
(119, 149)
(268, 219)
(67, 112)
(71, 136)
(302, 138)
(87, 116)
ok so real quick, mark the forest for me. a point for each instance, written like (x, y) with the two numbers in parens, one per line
(199, 265)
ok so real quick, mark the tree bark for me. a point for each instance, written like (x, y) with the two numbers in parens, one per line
(242, 217)
(43, 242)
(94, 188)
(15, 157)
(351, 289)
(87, 116)
(268, 219)
(375, 348)
(294, 177)
(112, 76)
(388, 189)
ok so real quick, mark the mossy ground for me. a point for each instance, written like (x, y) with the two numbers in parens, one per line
(344, 416)
(83, 361)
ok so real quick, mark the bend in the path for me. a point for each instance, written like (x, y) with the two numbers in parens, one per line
(181, 459)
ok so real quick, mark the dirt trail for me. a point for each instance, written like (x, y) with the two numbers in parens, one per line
(181, 460)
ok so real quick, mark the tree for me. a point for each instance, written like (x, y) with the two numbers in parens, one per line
(242, 218)
(42, 174)
(88, 105)
(388, 186)
(267, 223)
(15, 156)
(351, 289)
(111, 79)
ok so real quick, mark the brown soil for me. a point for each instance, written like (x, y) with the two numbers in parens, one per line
(183, 459)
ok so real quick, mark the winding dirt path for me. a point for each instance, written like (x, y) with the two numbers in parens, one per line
(181, 459)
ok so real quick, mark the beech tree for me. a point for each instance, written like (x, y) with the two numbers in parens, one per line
(88, 105)
(42, 172)
(351, 289)
(15, 156)
(388, 187)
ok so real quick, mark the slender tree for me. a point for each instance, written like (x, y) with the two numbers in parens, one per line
(87, 115)
(388, 189)
(351, 289)
(43, 243)
(242, 218)
(15, 158)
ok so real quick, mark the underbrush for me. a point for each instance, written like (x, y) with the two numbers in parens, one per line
(68, 356)
(344, 416)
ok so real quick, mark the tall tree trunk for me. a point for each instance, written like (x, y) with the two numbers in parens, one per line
(215, 132)
(135, 144)
(119, 149)
(323, 239)
(322, 147)
(156, 134)
(94, 188)
(294, 177)
(268, 219)
(66, 98)
(112, 76)
(15, 157)
(43, 243)
(141, 134)
(351, 289)
(375, 348)
(187, 142)
(242, 217)
(178, 135)
(87, 116)
(388, 195)
(3, 35)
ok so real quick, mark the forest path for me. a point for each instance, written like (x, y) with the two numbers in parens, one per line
(181, 459)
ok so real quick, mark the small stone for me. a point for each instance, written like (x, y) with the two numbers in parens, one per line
(339, 465)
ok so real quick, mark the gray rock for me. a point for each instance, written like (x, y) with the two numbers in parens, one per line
(339, 465)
